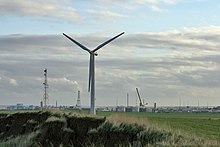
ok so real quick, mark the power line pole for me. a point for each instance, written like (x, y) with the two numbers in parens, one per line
(46, 86)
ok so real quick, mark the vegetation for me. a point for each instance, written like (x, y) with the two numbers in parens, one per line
(204, 125)
(65, 128)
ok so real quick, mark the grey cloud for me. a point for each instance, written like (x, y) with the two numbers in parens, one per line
(105, 15)
(66, 10)
(166, 40)
(154, 5)
(141, 1)
(164, 75)
(55, 9)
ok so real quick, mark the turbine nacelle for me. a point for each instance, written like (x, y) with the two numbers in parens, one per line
(96, 54)
(93, 53)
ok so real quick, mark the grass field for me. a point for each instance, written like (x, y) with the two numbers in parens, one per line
(177, 129)
(205, 125)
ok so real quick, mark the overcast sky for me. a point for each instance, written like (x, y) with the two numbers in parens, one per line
(170, 51)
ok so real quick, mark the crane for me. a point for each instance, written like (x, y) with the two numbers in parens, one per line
(141, 104)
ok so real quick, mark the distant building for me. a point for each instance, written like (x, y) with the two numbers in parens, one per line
(12, 107)
(120, 109)
(142, 109)
(31, 107)
(20, 106)
(128, 109)
(3, 107)
(135, 109)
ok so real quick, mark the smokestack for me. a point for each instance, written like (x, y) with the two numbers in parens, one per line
(155, 107)
(78, 101)
(41, 105)
(127, 100)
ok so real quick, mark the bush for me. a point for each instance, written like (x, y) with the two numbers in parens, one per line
(126, 134)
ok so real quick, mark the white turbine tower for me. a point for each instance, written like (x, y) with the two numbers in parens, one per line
(92, 53)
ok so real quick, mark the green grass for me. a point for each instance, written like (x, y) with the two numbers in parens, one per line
(201, 125)
(162, 129)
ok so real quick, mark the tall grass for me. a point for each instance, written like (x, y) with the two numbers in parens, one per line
(26, 140)
(57, 128)
(177, 137)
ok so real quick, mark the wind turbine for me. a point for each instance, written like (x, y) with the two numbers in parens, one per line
(92, 53)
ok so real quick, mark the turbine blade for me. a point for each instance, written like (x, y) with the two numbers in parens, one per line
(90, 72)
(106, 42)
(77, 43)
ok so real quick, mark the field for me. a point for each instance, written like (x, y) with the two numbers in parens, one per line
(205, 125)
(71, 128)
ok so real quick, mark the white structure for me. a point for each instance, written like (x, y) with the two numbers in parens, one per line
(78, 104)
(127, 100)
(92, 68)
